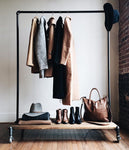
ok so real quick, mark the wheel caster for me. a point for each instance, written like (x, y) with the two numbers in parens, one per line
(10, 140)
(118, 134)
(10, 134)
(118, 139)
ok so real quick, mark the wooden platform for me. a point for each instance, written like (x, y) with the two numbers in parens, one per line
(84, 125)
(90, 140)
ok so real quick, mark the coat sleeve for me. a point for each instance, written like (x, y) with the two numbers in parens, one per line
(67, 41)
(30, 55)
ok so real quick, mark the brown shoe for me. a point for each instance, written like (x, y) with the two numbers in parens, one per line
(65, 116)
(58, 116)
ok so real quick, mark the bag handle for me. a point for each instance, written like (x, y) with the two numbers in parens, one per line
(92, 91)
(81, 106)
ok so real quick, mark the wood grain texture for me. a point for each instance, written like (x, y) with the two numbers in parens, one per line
(91, 142)
(84, 125)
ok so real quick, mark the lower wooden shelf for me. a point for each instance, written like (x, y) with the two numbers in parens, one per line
(83, 125)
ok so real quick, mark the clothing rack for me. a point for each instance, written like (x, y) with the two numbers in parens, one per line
(86, 125)
(45, 12)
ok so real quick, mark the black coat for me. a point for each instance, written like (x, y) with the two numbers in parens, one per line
(59, 70)
(58, 41)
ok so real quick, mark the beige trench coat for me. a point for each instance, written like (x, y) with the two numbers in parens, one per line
(68, 59)
(31, 58)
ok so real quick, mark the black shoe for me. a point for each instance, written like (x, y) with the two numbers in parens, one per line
(77, 116)
(72, 118)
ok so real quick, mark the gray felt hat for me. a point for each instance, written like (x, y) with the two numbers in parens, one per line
(36, 113)
(36, 108)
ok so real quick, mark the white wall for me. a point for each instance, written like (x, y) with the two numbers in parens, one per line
(91, 52)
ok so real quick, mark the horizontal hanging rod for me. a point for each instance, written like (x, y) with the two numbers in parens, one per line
(73, 11)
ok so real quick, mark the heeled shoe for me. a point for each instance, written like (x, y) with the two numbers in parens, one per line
(65, 116)
(77, 116)
(72, 118)
(58, 116)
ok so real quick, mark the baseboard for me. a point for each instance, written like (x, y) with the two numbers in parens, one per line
(5, 117)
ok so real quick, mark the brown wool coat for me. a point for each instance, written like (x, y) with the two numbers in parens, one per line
(31, 58)
(51, 26)
(68, 59)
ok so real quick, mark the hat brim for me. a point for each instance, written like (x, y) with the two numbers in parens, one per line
(34, 114)
(115, 16)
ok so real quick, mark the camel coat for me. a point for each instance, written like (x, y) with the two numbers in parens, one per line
(31, 58)
(68, 59)
(51, 28)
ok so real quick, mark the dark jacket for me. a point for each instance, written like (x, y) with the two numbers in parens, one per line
(59, 70)
(58, 40)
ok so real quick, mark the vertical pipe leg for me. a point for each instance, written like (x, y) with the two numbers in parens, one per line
(17, 31)
(118, 134)
(109, 85)
(10, 134)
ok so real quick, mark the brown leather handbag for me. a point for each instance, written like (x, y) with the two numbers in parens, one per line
(96, 110)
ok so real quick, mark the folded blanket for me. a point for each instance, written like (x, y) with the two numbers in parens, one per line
(36, 116)
(35, 122)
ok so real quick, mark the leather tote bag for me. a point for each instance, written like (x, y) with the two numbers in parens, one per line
(96, 110)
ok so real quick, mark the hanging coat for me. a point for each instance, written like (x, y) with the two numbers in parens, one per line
(40, 47)
(68, 59)
(58, 40)
(31, 58)
(59, 70)
(50, 47)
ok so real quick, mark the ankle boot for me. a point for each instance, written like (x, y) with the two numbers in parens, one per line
(58, 116)
(72, 118)
(77, 116)
(65, 116)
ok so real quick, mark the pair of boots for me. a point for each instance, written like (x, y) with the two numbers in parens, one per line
(75, 118)
(62, 116)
